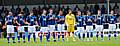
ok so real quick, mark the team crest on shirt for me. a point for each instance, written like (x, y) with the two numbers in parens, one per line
(32, 19)
(89, 19)
(10, 20)
(111, 19)
(21, 19)
(80, 20)
(44, 19)
(99, 18)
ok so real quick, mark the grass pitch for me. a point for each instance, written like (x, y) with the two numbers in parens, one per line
(106, 42)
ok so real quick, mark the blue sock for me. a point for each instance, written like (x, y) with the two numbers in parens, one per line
(0, 34)
(83, 35)
(63, 36)
(91, 34)
(79, 35)
(102, 36)
(48, 36)
(41, 38)
(53, 36)
(59, 37)
(18, 38)
(34, 37)
(115, 34)
(23, 37)
(13, 38)
(109, 35)
(8, 38)
(29, 37)
(87, 34)
(97, 36)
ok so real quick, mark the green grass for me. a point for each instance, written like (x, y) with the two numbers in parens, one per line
(112, 42)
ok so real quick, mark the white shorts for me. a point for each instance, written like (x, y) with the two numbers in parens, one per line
(99, 27)
(51, 28)
(21, 29)
(89, 28)
(44, 29)
(60, 27)
(31, 29)
(10, 29)
(112, 27)
(80, 29)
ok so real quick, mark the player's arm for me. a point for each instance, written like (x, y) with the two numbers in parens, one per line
(39, 20)
(74, 19)
(27, 19)
(66, 20)
(58, 19)
(49, 18)
(63, 19)
(115, 19)
(6, 21)
(36, 21)
(15, 20)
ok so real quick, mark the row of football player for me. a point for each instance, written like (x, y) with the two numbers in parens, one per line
(48, 22)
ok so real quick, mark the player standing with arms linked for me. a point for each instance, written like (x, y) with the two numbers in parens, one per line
(112, 19)
(44, 26)
(10, 28)
(31, 21)
(80, 25)
(51, 24)
(70, 22)
(60, 25)
(20, 22)
(99, 25)
(89, 26)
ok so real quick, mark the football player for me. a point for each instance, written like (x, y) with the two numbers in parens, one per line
(20, 21)
(80, 24)
(89, 26)
(51, 24)
(99, 25)
(60, 25)
(10, 28)
(112, 25)
(43, 24)
(32, 22)
(70, 22)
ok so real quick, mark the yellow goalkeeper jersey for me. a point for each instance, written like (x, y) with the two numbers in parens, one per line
(70, 19)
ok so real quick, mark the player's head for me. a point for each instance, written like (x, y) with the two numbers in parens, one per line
(44, 11)
(69, 11)
(10, 13)
(111, 12)
(88, 12)
(60, 12)
(51, 11)
(99, 11)
(78, 12)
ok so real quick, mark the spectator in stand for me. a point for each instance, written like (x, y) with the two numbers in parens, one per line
(103, 9)
(86, 8)
(96, 7)
(39, 11)
(76, 9)
(91, 9)
(26, 11)
(35, 11)
(6, 11)
(13, 10)
(18, 10)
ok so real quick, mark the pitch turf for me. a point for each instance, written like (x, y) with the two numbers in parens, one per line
(112, 42)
